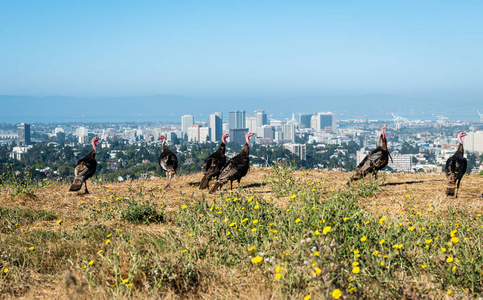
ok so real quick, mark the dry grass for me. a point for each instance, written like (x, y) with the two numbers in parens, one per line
(397, 193)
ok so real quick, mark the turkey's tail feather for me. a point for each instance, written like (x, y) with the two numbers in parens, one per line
(205, 182)
(77, 184)
(215, 187)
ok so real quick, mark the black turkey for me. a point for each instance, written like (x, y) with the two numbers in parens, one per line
(168, 161)
(456, 167)
(214, 163)
(86, 168)
(236, 168)
(374, 161)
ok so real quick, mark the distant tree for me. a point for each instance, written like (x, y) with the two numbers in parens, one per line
(407, 148)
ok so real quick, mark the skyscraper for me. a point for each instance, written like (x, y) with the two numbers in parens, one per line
(83, 135)
(237, 119)
(215, 123)
(289, 132)
(304, 119)
(251, 123)
(324, 121)
(261, 117)
(186, 122)
(23, 134)
(237, 135)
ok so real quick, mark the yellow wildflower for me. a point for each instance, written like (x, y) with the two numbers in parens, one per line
(257, 259)
(336, 294)
(326, 229)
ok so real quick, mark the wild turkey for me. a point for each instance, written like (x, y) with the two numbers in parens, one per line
(456, 167)
(214, 163)
(374, 161)
(236, 168)
(86, 167)
(168, 161)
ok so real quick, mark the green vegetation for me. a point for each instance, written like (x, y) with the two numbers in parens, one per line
(304, 239)
(57, 162)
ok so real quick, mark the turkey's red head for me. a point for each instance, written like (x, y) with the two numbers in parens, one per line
(162, 139)
(94, 142)
(224, 137)
(248, 136)
(461, 136)
(383, 130)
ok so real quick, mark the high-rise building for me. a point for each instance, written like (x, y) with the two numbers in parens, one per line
(265, 132)
(237, 135)
(251, 123)
(474, 141)
(83, 135)
(196, 133)
(324, 121)
(304, 119)
(261, 117)
(215, 123)
(186, 122)
(23, 134)
(289, 132)
(237, 119)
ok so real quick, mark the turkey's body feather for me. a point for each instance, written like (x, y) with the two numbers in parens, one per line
(235, 169)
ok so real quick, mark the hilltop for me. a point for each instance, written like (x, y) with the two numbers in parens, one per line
(138, 239)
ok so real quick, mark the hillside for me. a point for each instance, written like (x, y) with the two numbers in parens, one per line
(285, 234)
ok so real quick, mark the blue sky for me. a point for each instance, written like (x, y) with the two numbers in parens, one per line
(219, 49)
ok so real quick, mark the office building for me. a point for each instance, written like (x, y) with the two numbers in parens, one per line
(237, 135)
(251, 123)
(304, 119)
(83, 135)
(261, 118)
(23, 134)
(215, 123)
(474, 141)
(199, 134)
(265, 132)
(289, 132)
(237, 119)
(326, 122)
(186, 122)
